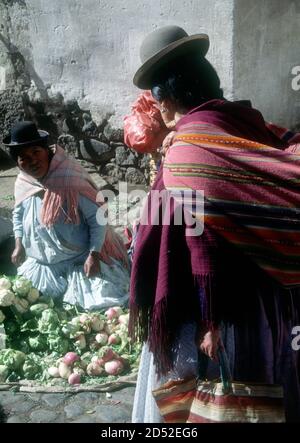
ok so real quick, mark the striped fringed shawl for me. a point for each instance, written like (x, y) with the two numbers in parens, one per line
(251, 193)
(65, 180)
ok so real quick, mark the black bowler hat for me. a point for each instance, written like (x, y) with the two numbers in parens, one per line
(24, 134)
(163, 46)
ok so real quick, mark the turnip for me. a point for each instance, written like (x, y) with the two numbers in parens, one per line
(94, 359)
(114, 339)
(109, 328)
(80, 341)
(74, 379)
(79, 371)
(84, 318)
(85, 321)
(114, 367)
(118, 310)
(80, 364)
(102, 338)
(64, 370)
(111, 313)
(54, 372)
(107, 354)
(97, 323)
(124, 319)
(94, 369)
(93, 345)
(70, 358)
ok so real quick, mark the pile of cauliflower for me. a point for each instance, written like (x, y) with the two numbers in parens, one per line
(44, 341)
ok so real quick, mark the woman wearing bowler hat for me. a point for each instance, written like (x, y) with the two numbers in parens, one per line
(237, 284)
(60, 245)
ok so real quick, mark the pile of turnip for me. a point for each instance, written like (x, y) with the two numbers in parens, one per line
(42, 339)
(101, 334)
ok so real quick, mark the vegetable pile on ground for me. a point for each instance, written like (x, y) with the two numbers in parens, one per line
(58, 343)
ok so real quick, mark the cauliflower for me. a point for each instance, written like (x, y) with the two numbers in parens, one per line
(33, 295)
(49, 322)
(6, 297)
(5, 283)
(21, 305)
(22, 286)
(12, 359)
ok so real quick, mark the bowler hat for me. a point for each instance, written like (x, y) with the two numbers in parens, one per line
(25, 134)
(164, 45)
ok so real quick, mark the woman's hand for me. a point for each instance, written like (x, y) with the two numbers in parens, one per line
(18, 255)
(91, 266)
(210, 343)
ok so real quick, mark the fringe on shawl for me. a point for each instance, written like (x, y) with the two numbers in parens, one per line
(159, 327)
(53, 203)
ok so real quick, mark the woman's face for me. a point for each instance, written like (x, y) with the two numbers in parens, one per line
(34, 160)
(170, 112)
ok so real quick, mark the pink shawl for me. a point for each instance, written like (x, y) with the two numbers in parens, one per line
(65, 180)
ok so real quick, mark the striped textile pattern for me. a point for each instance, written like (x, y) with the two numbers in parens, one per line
(251, 194)
(246, 403)
(208, 402)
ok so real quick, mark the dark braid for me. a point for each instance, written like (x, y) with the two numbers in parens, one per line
(188, 81)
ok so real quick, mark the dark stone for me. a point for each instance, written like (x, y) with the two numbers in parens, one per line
(135, 176)
(96, 152)
(5, 161)
(11, 110)
(112, 172)
(113, 134)
(125, 157)
(117, 144)
(69, 144)
(103, 139)
(89, 126)
(144, 161)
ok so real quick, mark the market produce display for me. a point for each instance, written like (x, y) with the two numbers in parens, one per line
(54, 342)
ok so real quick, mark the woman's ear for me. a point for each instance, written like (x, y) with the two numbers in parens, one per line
(168, 110)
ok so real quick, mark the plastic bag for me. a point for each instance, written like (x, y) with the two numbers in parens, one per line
(144, 129)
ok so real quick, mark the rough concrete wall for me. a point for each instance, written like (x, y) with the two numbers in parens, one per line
(89, 49)
(265, 49)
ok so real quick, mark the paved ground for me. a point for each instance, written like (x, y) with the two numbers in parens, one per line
(84, 407)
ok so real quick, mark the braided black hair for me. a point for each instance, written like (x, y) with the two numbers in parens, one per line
(188, 81)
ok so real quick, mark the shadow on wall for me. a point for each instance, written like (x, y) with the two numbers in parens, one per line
(23, 70)
(68, 125)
